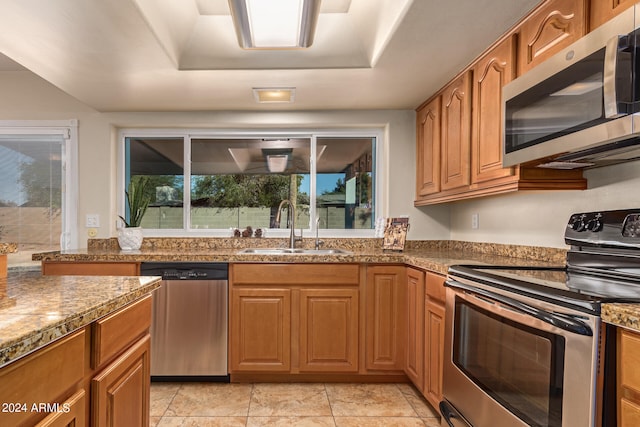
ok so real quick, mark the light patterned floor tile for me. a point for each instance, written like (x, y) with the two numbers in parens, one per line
(161, 396)
(378, 422)
(284, 400)
(368, 400)
(202, 422)
(210, 400)
(431, 422)
(421, 406)
(290, 422)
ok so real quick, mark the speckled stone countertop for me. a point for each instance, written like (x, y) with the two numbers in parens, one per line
(8, 248)
(624, 315)
(36, 310)
(434, 255)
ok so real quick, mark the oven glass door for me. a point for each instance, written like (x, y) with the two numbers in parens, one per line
(522, 368)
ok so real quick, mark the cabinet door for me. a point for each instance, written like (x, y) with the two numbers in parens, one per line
(552, 27)
(628, 378)
(72, 413)
(120, 393)
(602, 11)
(328, 330)
(456, 129)
(385, 302)
(260, 330)
(433, 351)
(490, 74)
(428, 148)
(415, 327)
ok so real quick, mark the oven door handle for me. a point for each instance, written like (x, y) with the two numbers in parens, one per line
(558, 320)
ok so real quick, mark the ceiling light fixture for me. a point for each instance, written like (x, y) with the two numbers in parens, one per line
(277, 158)
(275, 24)
(274, 94)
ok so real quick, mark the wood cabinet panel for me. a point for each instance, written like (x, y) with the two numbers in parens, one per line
(112, 334)
(385, 325)
(121, 392)
(328, 330)
(428, 148)
(455, 138)
(72, 415)
(603, 10)
(414, 359)
(44, 376)
(64, 268)
(434, 329)
(552, 27)
(295, 274)
(490, 74)
(260, 335)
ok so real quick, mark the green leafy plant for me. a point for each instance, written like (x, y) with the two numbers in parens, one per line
(137, 200)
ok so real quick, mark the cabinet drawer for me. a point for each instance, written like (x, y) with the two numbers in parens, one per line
(59, 268)
(115, 332)
(435, 287)
(295, 274)
(42, 377)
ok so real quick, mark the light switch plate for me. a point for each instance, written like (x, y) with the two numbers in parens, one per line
(92, 221)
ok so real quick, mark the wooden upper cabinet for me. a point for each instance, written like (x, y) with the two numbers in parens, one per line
(428, 148)
(490, 74)
(550, 28)
(603, 10)
(456, 123)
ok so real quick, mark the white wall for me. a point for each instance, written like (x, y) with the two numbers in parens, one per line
(27, 97)
(540, 218)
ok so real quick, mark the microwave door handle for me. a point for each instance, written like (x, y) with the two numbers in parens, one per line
(609, 77)
(563, 322)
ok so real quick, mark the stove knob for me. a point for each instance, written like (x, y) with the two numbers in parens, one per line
(594, 224)
(577, 223)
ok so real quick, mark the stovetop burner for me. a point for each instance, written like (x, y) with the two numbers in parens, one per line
(603, 264)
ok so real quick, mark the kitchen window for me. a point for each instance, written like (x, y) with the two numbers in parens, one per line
(38, 186)
(234, 181)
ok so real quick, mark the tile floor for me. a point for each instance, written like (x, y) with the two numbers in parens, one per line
(313, 404)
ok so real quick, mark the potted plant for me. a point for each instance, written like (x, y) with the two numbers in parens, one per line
(137, 199)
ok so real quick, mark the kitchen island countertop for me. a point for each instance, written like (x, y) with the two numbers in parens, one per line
(36, 310)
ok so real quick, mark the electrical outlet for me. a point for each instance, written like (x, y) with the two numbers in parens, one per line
(92, 221)
(475, 221)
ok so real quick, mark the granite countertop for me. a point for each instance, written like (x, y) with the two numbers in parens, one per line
(622, 314)
(36, 310)
(436, 256)
(8, 248)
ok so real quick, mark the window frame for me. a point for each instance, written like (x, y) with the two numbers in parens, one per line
(312, 134)
(68, 129)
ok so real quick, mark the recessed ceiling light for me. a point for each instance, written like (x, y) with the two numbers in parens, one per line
(275, 94)
(275, 24)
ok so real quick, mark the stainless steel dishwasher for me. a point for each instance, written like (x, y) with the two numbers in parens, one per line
(190, 317)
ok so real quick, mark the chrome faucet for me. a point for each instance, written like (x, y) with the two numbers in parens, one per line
(318, 241)
(292, 222)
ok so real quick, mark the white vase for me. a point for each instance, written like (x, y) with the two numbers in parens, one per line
(130, 238)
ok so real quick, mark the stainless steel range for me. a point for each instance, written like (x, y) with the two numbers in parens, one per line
(525, 346)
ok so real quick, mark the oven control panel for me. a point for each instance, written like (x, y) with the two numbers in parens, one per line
(619, 228)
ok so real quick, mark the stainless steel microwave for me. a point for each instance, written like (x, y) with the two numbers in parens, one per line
(581, 107)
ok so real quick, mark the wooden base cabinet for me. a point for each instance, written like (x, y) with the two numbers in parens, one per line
(260, 330)
(294, 318)
(628, 378)
(98, 376)
(414, 359)
(385, 318)
(120, 393)
(434, 312)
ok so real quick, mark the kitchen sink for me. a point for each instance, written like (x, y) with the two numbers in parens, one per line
(289, 251)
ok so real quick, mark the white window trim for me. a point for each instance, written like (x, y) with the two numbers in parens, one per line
(380, 173)
(68, 129)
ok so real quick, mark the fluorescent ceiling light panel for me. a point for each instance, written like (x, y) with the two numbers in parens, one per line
(277, 163)
(275, 24)
(274, 95)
